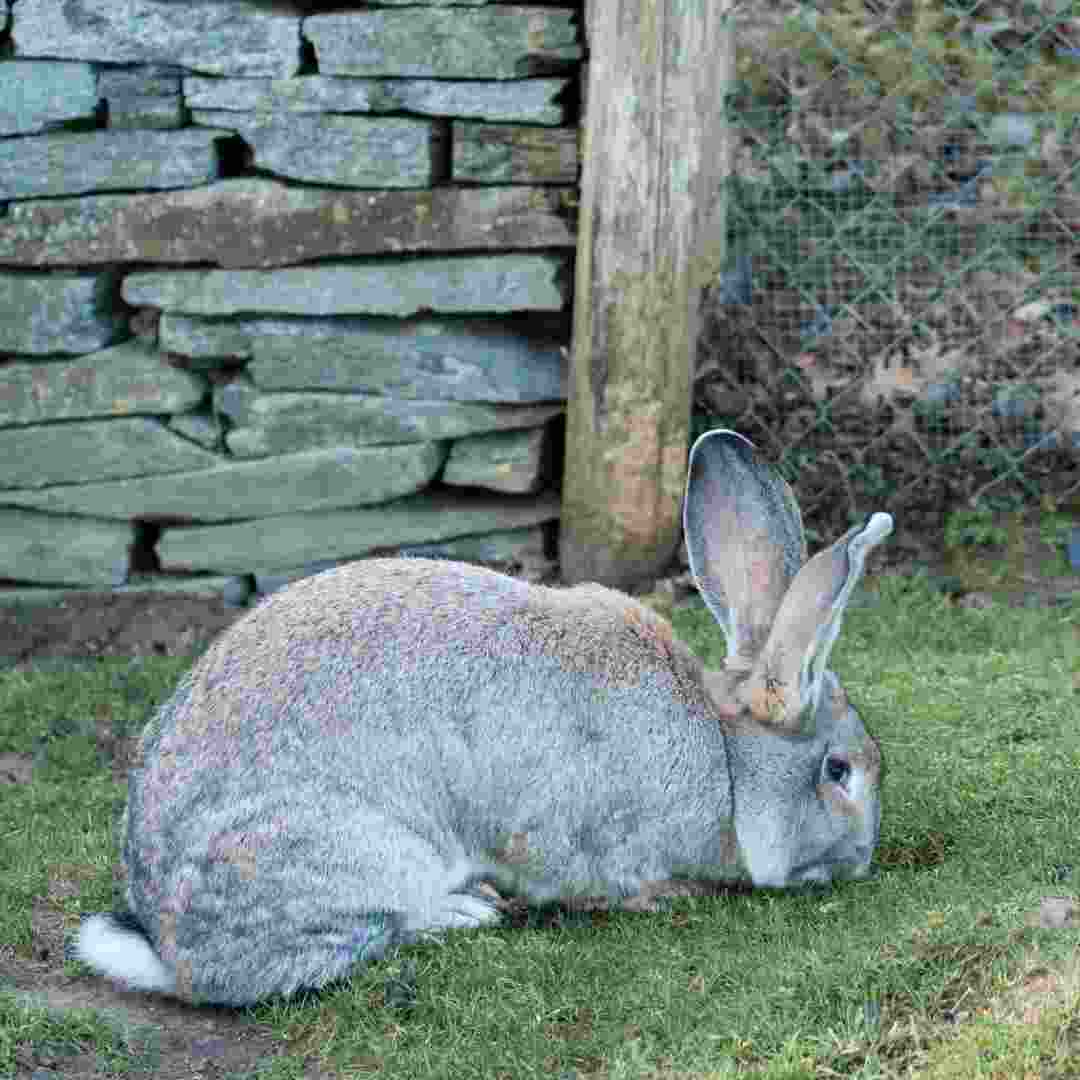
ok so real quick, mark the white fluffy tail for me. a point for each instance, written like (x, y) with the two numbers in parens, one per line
(123, 954)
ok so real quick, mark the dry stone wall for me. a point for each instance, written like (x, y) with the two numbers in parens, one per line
(280, 285)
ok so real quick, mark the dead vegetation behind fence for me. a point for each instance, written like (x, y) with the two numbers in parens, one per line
(898, 321)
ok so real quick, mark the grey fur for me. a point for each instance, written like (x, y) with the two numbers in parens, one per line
(359, 759)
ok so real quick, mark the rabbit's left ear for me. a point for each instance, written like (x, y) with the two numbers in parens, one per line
(744, 537)
(784, 687)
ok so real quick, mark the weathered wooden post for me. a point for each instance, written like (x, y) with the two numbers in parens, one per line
(650, 236)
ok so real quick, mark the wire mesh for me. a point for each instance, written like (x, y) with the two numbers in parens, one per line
(898, 320)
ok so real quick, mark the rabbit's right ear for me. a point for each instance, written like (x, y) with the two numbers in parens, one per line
(744, 537)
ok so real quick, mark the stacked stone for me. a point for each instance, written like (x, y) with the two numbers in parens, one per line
(279, 291)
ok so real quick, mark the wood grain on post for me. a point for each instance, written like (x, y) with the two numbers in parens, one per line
(650, 236)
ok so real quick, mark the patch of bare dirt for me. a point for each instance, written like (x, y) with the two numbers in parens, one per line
(111, 624)
(167, 1040)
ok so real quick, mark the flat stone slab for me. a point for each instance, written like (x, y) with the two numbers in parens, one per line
(219, 37)
(270, 544)
(490, 43)
(292, 483)
(38, 94)
(513, 154)
(69, 163)
(513, 360)
(93, 450)
(435, 3)
(256, 222)
(126, 379)
(147, 96)
(358, 151)
(59, 313)
(491, 283)
(278, 423)
(203, 585)
(56, 550)
(145, 80)
(142, 113)
(504, 546)
(516, 462)
(524, 101)
(201, 428)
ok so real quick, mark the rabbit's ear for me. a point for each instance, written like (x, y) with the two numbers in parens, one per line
(786, 682)
(744, 537)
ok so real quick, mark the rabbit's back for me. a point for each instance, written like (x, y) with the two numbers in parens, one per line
(394, 655)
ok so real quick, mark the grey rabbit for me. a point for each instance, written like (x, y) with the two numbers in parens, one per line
(388, 748)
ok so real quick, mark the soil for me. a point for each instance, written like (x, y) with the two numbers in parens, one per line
(111, 624)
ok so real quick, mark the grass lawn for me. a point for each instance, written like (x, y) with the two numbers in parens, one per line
(937, 967)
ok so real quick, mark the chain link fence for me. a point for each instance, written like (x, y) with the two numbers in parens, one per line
(898, 322)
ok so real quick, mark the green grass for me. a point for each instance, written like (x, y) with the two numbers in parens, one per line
(918, 968)
(65, 1042)
(61, 824)
(996, 550)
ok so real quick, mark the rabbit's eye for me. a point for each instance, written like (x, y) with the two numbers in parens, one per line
(837, 769)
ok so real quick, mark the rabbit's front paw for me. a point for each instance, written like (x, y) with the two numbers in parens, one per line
(463, 911)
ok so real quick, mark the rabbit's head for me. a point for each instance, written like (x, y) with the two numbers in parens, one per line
(805, 773)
